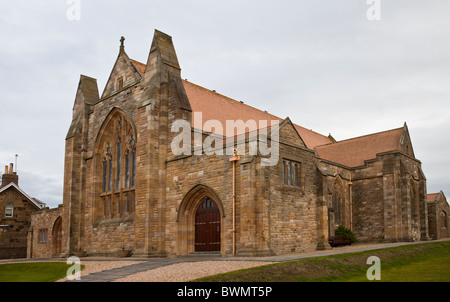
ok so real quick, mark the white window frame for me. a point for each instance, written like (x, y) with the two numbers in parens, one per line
(9, 208)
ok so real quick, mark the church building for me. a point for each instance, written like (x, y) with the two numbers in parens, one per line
(281, 189)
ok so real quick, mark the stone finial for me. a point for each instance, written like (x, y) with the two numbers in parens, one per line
(122, 47)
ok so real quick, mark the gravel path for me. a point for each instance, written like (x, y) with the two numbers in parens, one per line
(162, 270)
(186, 271)
(98, 266)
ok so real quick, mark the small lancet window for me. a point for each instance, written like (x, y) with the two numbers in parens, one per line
(289, 173)
(110, 174)
(127, 170)
(133, 176)
(119, 158)
(295, 175)
(105, 167)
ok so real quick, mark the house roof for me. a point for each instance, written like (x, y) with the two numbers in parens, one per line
(37, 203)
(215, 106)
(353, 152)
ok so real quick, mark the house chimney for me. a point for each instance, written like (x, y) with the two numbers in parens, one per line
(9, 176)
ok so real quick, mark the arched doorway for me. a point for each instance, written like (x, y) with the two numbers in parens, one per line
(56, 237)
(200, 203)
(207, 227)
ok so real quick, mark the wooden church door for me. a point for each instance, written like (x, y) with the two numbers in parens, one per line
(207, 227)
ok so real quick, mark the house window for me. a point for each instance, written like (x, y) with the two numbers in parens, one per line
(291, 173)
(43, 235)
(9, 210)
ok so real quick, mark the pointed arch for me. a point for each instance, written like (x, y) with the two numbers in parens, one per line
(57, 237)
(186, 217)
(414, 201)
(195, 196)
(338, 201)
(113, 113)
(114, 166)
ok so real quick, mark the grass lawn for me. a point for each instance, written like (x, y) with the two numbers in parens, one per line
(33, 271)
(429, 262)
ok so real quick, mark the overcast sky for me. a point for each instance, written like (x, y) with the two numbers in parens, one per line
(323, 63)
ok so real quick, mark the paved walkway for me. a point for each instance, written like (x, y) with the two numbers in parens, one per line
(116, 273)
(120, 272)
(152, 263)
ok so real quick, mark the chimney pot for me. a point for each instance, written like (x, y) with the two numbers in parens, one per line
(6, 169)
(11, 168)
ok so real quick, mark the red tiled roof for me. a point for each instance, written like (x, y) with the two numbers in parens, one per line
(139, 66)
(215, 106)
(432, 197)
(353, 152)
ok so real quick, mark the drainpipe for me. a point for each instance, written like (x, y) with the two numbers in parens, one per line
(351, 203)
(234, 159)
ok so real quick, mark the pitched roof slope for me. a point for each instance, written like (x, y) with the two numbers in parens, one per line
(36, 202)
(353, 152)
(432, 197)
(215, 106)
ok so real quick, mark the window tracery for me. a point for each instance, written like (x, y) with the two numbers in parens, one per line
(117, 165)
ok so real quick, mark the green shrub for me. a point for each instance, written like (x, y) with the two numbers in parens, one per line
(347, 233)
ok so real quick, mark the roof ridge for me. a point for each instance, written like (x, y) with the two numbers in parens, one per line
(360, 137)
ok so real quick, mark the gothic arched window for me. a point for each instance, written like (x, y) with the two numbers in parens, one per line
(338, 202)
(444, 219)
(116, 167)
